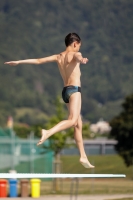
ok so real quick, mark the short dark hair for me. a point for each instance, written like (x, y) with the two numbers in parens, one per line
(72, 37)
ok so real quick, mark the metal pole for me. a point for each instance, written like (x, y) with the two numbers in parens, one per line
(32, 152)
(77, 184)
(12, 147)
(74, 185)
(71, 189)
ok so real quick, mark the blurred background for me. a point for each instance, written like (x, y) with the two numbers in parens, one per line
(30, 96)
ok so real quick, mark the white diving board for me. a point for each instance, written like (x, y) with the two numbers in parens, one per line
(41, 175)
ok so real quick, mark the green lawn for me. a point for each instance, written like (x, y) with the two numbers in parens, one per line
(104, 164)
(112, 164)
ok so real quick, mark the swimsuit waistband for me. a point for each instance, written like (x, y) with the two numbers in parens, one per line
(72, 86)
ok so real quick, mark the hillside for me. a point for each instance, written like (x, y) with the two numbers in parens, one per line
(30, 29)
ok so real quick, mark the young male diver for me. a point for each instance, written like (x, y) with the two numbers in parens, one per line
(68, 63)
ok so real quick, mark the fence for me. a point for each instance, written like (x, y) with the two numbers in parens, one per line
(23, 155)
(102, 146)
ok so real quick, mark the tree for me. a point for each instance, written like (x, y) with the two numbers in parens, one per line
(107, 39)
(22, 130)
(122, 131)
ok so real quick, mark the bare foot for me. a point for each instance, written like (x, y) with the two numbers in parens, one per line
(43, 138)
(85, 162)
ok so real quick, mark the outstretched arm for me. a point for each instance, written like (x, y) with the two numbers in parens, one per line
(78, 57)
(33, 61)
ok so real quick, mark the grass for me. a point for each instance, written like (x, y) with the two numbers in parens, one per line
(104, 164)
(111, 164)
(90, 186)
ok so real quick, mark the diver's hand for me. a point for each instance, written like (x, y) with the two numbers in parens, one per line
(84, 60)
(12, 63)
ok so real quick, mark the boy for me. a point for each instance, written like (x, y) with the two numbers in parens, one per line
(69, 66)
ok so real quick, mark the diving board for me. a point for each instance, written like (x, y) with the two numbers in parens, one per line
(41, 175)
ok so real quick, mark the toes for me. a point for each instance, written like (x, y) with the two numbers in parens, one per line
(39, 143)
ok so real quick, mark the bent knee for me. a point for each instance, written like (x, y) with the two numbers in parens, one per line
(74, 122)
(78, 124)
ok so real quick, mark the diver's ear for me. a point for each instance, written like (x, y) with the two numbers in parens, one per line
(75, 44)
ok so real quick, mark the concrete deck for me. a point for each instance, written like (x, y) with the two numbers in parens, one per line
(80, 197)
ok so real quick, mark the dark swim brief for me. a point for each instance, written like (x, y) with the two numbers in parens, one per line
(68, 91)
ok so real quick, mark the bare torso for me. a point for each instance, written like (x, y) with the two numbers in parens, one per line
(69, 68)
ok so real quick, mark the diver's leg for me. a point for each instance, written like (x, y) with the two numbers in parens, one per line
(78, 137)
(79, 141)
(74, 112)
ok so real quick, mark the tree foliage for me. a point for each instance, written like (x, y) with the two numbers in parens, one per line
(122, 131)
(30, 29)
(22, 130)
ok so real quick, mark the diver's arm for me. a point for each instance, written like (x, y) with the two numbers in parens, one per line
(78, 57)
(36, 61)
